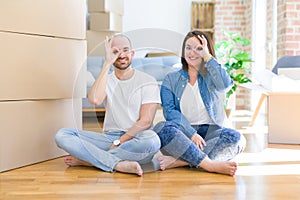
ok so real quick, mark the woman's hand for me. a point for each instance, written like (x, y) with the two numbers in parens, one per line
(205, 52)
(198, 140)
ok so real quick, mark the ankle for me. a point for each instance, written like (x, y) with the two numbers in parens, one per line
(207, 164)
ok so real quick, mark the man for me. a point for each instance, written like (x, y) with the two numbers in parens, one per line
(131, 99)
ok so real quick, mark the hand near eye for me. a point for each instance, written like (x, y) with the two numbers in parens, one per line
(111, 53)
(205, 52)
(198, 140)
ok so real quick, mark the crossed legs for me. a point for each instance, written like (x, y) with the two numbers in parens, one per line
(92, 149)
(180, 151)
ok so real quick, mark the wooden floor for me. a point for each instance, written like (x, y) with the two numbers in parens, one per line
(269, 173)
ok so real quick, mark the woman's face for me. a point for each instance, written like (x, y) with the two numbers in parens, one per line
(192, 52)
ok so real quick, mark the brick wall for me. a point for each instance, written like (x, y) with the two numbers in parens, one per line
(235, 16)
(230, 16)
(288, 32)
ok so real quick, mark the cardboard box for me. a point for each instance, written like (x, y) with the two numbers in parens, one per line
(28, 130)
(37, 67)
(283, 117)
(58, 18)
(283, 95)
(95, 42)
(116, 6)
(105, 22)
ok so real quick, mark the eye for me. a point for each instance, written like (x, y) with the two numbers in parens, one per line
(126, 50)
(188, 48)
(199, 49)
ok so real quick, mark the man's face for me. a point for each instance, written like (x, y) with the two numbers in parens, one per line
(123, 46)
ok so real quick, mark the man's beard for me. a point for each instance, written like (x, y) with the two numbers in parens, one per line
(122, 68)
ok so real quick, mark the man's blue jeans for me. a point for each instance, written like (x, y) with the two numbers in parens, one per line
(94, 147)
(221, 143)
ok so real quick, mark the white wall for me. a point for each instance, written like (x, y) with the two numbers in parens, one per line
(174, 15)
(259, 20)
(155, 25)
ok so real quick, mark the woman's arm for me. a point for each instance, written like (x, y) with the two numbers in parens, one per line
(218, 75)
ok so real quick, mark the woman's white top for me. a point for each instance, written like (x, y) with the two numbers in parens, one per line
(192, 106)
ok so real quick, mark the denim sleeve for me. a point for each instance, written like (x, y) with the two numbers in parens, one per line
(219, 76)
(171, 112)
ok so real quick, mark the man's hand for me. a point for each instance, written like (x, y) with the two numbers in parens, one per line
(198, 140)
(111, 53)
(112, 147)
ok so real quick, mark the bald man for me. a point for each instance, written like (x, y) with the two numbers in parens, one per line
(131, 98)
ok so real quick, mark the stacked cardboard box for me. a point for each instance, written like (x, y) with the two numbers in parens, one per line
(105, 19)
(43, 51)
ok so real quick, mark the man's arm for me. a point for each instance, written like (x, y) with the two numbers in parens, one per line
(147, 114)
(97, 92)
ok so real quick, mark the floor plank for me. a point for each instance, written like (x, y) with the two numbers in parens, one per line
(273, 173)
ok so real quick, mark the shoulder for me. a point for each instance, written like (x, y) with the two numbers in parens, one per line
(175, 75)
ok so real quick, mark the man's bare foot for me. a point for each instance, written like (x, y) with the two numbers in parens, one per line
(222, 167)
(72, 161)
(129, 167)
(167, 162)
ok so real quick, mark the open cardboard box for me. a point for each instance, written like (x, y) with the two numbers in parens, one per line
(283, 117)
(283, 103)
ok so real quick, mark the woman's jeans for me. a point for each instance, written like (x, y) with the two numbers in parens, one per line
(221, 143)
(94, 147)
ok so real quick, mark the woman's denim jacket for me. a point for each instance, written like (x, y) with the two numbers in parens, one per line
(212, 85)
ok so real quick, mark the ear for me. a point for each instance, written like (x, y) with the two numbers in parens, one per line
(132, 53)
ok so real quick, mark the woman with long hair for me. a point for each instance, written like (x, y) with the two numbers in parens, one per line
(193, 106)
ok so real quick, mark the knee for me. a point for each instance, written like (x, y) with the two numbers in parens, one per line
(232, 135)
(242, 144)
(61, 135)
(161, 126)
(149, 138)
(157, 128)
(166, 131)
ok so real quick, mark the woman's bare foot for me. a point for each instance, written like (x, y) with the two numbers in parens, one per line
(167, 162)
(72, 161)
(129, 167)
(222, 167)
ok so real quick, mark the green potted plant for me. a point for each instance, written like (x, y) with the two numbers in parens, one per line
(236, 60)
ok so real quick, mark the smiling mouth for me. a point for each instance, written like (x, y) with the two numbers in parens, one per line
(122, 62)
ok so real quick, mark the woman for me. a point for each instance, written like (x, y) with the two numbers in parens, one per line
(192, 101)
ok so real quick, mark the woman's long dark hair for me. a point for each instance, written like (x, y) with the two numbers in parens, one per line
(195, 33)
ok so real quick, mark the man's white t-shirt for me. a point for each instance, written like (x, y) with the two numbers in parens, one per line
(125, 97)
